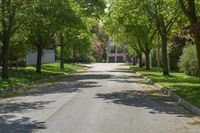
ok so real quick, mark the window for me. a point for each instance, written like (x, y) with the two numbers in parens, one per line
(112, 49)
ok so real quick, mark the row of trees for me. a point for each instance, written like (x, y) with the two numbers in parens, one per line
(144, 25)
(35, 24)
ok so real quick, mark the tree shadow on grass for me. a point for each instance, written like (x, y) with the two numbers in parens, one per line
(49, 68)
(153, 69)
(159, 104)
(172, 79)
(22, 125)
(189, 93)
(175, 80)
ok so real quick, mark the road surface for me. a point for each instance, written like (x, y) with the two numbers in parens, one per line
(105, 99)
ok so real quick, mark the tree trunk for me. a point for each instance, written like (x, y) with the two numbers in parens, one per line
(16, 65)
(147, 60)
(134, 61)
(74, 56)
(39, 59)
(62, 52)
(147, 52)
(140, 61)
(158, 62)
(5, 50)
(197, 42)
(164, 55)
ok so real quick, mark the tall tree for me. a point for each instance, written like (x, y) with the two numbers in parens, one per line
(19, 47)
(101, 41)
(189, 8)
(130, 18)
(83, 16)
(45, 19)
(70, 21)
(164, 14)
(68, 34)
(12, 14)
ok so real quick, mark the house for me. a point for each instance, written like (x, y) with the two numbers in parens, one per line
(47, 57)
(117, 54)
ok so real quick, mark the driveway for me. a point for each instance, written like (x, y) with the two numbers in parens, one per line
(107, 98)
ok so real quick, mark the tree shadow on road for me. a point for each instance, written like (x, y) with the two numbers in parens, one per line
(74, 83)
(132, 81)
(20, 107)
(13, 124)
(156, 104)
(22, 125)
(121, 71)
(89, 76)
(61, 87)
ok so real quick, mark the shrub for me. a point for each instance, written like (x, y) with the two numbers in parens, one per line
(91, 59)
(188, 61)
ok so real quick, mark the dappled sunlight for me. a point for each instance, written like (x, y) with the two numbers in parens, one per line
(188, 87)
(19, 125)
(28, 74)
(20, 107)
(160, 104)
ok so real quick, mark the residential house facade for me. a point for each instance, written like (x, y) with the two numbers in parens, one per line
(48, 55)
(117, 54)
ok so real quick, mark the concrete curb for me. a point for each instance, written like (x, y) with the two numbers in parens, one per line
(12, 90)
(177, 98)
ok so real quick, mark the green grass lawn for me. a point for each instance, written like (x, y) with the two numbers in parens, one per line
(28, 74)
(188, 87)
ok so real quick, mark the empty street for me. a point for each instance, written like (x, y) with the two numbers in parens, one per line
(108, 98)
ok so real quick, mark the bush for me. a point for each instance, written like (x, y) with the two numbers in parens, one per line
(91, 59)
(188, 61)
(178, 42)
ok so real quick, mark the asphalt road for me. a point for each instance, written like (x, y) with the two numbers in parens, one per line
(106, 99)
